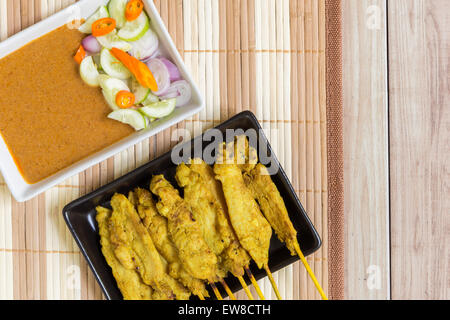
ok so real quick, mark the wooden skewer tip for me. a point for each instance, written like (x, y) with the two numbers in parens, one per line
(216, 291)
(228, 290)
(255, 284)
(311, 273)
(272, 281)
(246, 289)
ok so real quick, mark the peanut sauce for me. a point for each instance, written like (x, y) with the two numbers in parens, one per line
(49, 118)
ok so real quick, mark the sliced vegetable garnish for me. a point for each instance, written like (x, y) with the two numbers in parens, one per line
(139, 91)
(134, 9)
(89, 72)
(159, 109)
(117, 11)
(112, 104)
(112, 66)
(151, 98)
(125, 99)
(129, 116)
(112, 40)
(175, 74)
(144, 48)
(96, 58)
(180, 90)
(111, 87)
(103, 26)
(161, 74)
(102, 12)
(140, 70)
(91, 44)
(124, 46)
(136, 29)
(80, 55)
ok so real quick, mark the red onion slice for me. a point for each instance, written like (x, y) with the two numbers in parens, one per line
(146, 46)
(161, 75)
(156, 54)
(91, 44)
(180, 90)
(175, 74)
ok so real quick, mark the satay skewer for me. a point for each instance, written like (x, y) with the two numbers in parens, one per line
(227, 289)
(274, 284)
(246, 289)
(272, 204)
(234, 256)
(202, 194)
(157, 227)
(255, 284)
(216, 291)
(258, 180)
(311, 273)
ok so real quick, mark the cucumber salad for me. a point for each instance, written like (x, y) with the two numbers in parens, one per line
(121, 56)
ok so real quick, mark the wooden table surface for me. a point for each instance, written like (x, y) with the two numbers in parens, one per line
(396, 143)
(397, 146)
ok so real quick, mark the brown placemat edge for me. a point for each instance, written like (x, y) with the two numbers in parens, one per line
(336, 264)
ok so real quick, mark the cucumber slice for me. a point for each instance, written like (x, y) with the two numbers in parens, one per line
(112, 40)
(111, 87)
(111, 103)
(159, 109)
(129, 116)
(151, 99)
(89, 72)
(97, 62)
(112, 66)
(117, 11)
(101, 13)
(136, 29)
(139, 91)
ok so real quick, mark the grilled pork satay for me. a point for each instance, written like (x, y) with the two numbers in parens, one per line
(134, 248)
(264, 190)
(252, 229)
(128, 280)
(195, 255)
(234, 258)
(158, 230)
(206, 212)
(246, 157)
(272, 205)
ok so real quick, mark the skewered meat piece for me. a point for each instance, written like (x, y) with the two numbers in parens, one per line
(234, 258)
(133, 246)
(272, 205)
(128, 280)
(185, 232)
(252, 229)
(157, 227)
(206, 212)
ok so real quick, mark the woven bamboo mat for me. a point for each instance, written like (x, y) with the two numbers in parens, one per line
(264, 55)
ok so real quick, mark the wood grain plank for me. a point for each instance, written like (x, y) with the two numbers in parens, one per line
(366, 150)
(419, 46)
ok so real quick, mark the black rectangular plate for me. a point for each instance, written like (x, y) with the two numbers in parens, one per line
(80, 214)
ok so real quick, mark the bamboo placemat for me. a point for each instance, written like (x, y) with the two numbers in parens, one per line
(268, 56)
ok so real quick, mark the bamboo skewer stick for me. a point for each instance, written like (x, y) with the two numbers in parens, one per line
(246, 289)
(255, 284)
(274, 284)
(227, 289)
(216, 291)
(311, 273)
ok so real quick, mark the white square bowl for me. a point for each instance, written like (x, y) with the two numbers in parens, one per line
(20, 189)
